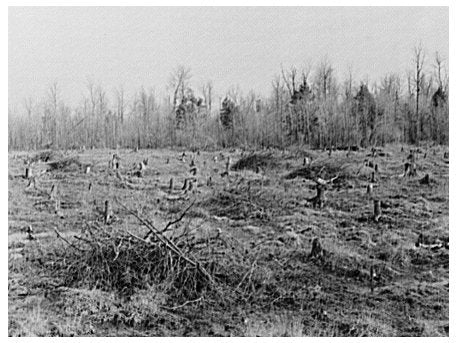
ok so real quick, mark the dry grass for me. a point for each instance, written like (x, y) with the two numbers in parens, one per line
(251, 232)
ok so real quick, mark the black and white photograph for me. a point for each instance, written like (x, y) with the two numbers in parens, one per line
(228, 171)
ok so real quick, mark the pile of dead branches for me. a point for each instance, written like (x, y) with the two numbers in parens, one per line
(46, 156)
(186, 265)
(255, 161)
(65, 164)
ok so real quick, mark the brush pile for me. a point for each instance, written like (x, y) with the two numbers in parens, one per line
(185, 265)
(46, 156)
(68, 163)
(255, 161)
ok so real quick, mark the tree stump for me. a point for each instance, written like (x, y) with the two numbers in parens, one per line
(376, 168)
(53, 192)
(372, 276)
(107, 212)
(28, 173)
(87, 171)
(227, 164)
(306, 162)
(420, 240)
(56, 205)
(192, 163)
(90, 187)
(29, 231)
(316, 249)
(370, 188)
(410, 169)
(376, 210)
(319, 199)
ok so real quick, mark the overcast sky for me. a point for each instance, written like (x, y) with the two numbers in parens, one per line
(136, 47)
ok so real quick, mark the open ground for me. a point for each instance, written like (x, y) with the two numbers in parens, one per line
(229, 243)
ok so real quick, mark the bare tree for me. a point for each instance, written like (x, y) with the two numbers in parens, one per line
(419, 58)
(179, 81)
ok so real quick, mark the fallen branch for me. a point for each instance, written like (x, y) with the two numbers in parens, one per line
(182, 305)
(66, 240)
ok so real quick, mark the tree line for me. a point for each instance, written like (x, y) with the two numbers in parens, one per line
(306, 106)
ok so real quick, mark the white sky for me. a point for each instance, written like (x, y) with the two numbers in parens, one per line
(134, 46)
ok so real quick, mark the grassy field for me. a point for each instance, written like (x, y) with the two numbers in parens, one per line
(244, 265)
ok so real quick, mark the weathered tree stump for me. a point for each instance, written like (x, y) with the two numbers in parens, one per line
(306, 162)
(319, 199)
(87, 171)
(373, 178)
(376, 210)
(56, 205)
(29, 231)
(316, 249)
(420, 240)
(28, 173)
(372, 276)
(410, 169)
(107, 212)
(52, 193)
